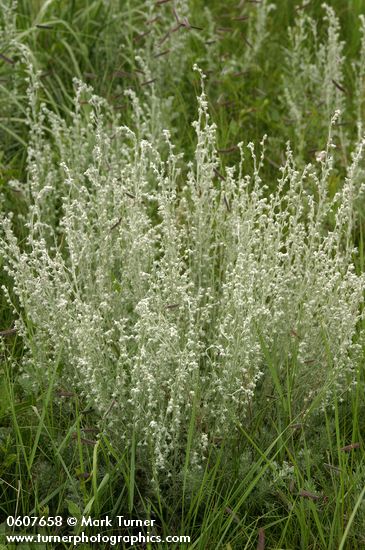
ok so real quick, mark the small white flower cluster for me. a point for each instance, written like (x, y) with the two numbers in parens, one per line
(163, 297)
(282, 474)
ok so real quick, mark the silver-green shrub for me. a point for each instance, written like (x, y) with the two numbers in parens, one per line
(313, 79)
(359, 88)
(163, 292)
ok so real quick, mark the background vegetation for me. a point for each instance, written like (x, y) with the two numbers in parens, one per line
(284, 474)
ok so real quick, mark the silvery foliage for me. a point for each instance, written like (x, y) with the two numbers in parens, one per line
(158, 289)
(256, 35)
(10, 80)
(359, 88)
(160, 49)
(313, 79)
(7, 22)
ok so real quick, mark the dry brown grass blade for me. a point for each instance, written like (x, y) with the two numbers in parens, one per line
(230, 512)
(8, 332)
(219, 175)
(348, 448)
(261, 541)
(307, 494)
(228, 150)
(7, 59)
